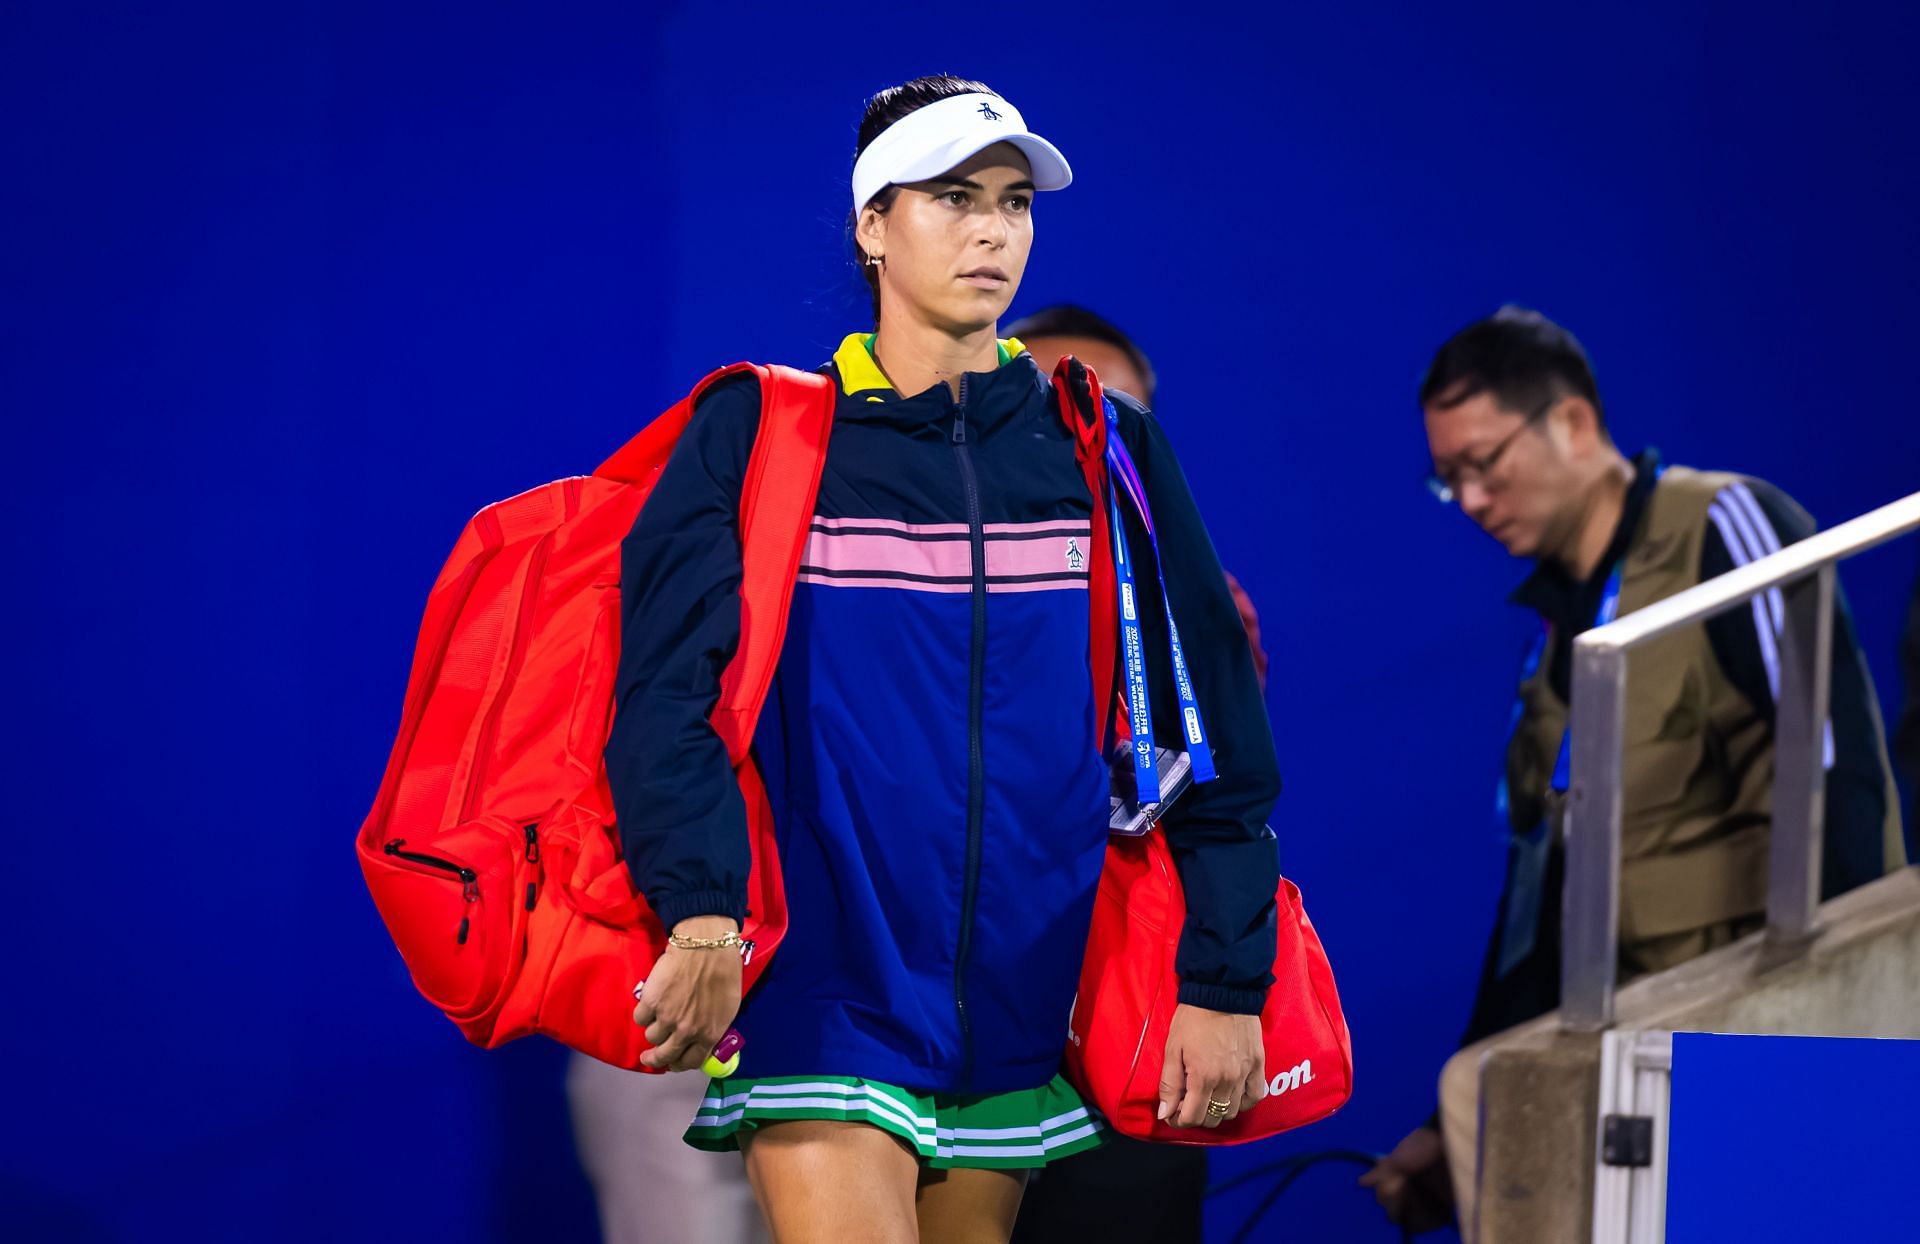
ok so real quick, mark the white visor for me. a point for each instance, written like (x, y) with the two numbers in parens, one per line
(928, 141)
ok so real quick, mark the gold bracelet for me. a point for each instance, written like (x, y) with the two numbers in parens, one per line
(723, 942)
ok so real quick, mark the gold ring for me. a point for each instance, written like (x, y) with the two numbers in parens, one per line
(1218, 1109)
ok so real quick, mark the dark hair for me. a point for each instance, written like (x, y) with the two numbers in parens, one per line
(883, 110)
(1520, 356)
(1067, 320)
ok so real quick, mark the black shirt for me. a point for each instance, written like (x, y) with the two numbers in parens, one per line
(1906, 745)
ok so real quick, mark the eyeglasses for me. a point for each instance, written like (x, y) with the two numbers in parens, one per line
(1446, 488)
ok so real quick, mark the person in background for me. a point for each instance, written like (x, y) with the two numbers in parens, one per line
(651, 1188)
(1066, 329)
(1520, 443)
(1126, 1190)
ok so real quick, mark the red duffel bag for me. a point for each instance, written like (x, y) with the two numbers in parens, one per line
(1127, 999)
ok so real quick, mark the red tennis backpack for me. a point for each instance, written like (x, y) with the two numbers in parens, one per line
(491, 849)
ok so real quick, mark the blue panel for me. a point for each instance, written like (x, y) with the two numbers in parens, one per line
(1792, 1139)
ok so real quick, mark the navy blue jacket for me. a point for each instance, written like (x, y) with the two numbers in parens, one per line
(940, 801)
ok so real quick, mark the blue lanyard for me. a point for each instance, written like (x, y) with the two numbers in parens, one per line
(1563, 766)
(1146, 769)
(1527, 872)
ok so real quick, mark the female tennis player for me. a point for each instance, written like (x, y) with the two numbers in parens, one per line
(939, 793)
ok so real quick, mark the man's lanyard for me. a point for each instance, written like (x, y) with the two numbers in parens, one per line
(1527, 879)
(1520, 923)
(1146, 768)
(1563, 766)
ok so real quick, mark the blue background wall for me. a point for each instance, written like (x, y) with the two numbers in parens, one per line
(289, 291)
(1828, 1165)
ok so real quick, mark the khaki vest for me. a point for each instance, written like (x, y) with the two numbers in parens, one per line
(1697, 758)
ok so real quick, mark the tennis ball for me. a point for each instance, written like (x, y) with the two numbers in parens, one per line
(719, 1070)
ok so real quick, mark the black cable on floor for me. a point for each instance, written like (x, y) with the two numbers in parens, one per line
(1285, 1172)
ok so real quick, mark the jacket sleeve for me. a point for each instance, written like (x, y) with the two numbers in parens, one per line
(1748, 521)
(682, 822)
(1228, 862)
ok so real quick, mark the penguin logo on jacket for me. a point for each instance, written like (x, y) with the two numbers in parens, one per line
(1075, 559)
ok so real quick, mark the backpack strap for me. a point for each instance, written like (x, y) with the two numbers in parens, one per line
(1080, 401)
(776, 513)
(776, 510)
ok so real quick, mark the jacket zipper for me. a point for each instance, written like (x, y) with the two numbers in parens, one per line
(976, 760)
(469, 879)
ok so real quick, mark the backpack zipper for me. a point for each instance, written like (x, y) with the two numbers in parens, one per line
(469, 879)
(533, 857)
(976, 758)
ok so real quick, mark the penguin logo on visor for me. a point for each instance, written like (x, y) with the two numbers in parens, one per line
(986, 110)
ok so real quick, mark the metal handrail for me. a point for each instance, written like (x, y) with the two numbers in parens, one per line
(1805, 571)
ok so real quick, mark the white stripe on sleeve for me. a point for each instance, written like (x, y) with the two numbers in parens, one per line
(1737, 510)
(1734, 536)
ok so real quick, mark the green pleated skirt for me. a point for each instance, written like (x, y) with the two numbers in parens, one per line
(1024, 1128)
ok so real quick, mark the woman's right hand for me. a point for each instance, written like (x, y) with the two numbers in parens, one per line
(691, 998)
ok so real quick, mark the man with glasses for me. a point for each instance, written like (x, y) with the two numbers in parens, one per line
(1520, 444)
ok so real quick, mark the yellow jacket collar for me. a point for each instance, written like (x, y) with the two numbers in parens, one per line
(859, 373)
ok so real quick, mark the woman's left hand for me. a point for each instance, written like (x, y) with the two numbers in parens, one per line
(1212, 1058)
